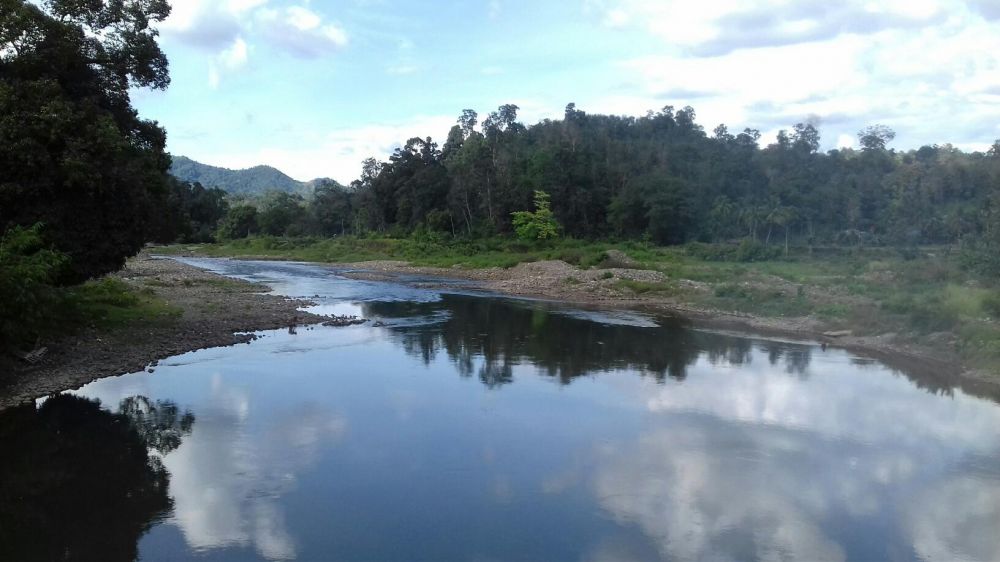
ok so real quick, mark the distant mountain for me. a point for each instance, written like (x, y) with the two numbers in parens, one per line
(251, 181)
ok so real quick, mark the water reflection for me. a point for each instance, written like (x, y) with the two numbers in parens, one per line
(488, 337)
(438, 434)
(78, 482)
(703, 494)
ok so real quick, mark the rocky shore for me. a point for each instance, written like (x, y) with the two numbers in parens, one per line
(212, 310)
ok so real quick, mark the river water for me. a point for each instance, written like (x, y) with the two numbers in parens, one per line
(465, 426)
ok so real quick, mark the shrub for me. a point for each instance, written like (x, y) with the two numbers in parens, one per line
(538, 225)
(28, 296)
(991, 305)
(746, 251)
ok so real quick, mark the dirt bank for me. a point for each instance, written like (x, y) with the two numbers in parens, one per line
(558, 280)
(212, 310)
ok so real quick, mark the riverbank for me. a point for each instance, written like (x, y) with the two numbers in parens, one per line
(623, 288)
(200, 310)
(917, 311)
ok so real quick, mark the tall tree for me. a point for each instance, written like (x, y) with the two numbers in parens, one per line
(74, 154)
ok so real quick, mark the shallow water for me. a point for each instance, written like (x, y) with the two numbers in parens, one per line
(475, 427)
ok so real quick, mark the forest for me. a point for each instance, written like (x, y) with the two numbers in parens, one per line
(658, 178)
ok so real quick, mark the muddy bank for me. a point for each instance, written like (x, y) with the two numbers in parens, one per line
(213, 312)
(556, 280)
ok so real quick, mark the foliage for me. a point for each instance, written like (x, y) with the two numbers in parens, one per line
(28, 298)
(279, 213)
(73, 152)
(745, 251)
(537, 225)
(188, 213)
(240, 221)
(661, 178)
(111, 304)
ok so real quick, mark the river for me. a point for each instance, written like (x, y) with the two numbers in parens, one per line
(458, 425)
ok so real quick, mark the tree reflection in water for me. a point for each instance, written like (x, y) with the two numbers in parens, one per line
(78, 482)
(506, 333)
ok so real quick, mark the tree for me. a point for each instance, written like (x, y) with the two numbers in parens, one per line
(239, 222)
(28, 271)
(538, 225)
(875, 137)
(74, 155)
(281, 214)
(331, 209)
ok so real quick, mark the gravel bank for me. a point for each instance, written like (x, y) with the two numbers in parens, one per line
(215, 311)
(557, 280)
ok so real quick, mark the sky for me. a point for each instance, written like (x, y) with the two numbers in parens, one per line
(313, 87)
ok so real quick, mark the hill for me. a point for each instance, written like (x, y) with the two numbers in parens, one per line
(251, 181)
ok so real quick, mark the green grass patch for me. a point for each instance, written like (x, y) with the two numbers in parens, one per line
(646, 287)
(979, 345)
(111, 303)
(755, 300)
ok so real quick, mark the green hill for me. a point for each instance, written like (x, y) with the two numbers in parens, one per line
(251, 181)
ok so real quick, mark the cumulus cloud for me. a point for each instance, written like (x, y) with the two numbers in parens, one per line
(300, 31)
(229, 28)
(930, 69)
(716, 28)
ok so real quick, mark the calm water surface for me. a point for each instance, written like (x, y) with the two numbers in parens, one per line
(474, 427)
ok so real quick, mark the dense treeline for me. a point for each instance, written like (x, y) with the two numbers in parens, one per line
(82, 177)
(74, 154)
(661, 177)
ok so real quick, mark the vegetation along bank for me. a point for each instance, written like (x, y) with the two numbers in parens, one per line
(908, 305)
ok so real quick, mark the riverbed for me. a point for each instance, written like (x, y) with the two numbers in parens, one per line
(457, 424)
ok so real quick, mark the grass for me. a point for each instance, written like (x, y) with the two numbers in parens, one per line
(471, 254)
(110, 304)
(869, 291)
(647, 287)
(762, 302)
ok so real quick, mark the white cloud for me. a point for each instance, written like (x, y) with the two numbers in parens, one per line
(930, 69)
(235, 56)
(229, 60)
(616, 18)
(229, 29)
(725, 25)
(300, 31)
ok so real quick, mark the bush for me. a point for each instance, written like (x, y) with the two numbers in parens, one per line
(991, 305)
(926, 314)
(29, 299)
(746, 251)
(539, 225)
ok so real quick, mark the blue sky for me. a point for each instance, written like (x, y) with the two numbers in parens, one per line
(313, 87)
